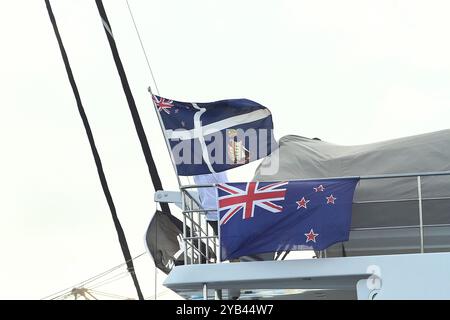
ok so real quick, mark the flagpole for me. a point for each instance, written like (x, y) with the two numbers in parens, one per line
(151, 93)
(163, 129)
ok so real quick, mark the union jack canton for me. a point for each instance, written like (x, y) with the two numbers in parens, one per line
(265, 197)
(163, 104)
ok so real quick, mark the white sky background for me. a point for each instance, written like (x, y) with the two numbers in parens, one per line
(349, 72)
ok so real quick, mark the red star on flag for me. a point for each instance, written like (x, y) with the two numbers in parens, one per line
(302, 203)
(311, 236)
(330, 199)
(319, 188)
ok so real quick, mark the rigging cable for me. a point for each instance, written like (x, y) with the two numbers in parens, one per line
(142, 46)
(109, 280)
(141, 42)
(157, 184)
(91, 279)
(109, 295)
(98, 162)
(132, 105)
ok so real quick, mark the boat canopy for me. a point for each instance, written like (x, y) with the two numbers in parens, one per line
(385, 214)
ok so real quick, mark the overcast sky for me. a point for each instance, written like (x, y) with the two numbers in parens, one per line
(349, 72)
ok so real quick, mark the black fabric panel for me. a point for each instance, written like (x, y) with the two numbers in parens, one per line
(162, 239)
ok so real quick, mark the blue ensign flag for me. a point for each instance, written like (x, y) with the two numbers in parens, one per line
(213, 137)
(259, 217)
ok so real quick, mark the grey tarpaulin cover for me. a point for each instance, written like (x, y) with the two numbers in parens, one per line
(302, 158)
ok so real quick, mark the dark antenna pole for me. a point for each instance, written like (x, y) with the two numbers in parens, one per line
(132, 105)
(98, 162)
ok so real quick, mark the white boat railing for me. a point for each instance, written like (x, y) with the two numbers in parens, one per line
(201, 245)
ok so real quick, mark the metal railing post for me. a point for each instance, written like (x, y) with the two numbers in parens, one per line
(419, 191)
(191, 217)
(183, 207)
(219, 249)
(199, 241)
(205, 292)
(207, 241)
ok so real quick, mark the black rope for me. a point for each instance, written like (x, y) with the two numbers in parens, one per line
(344, 253)
(132, 105)
(98, 162)
(285, 254)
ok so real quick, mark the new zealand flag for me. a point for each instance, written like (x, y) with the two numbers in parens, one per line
(217, 136)
(259, 217)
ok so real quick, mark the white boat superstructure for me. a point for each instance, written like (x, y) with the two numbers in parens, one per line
(416, 265)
